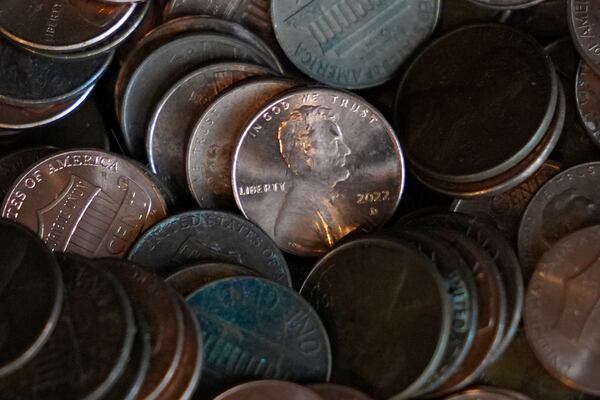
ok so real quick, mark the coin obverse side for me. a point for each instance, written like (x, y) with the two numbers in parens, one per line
(86, 202)
(352, 44)
(315, 165)
(209, 235)
(376, 344)
(256, 329)
(561, 310)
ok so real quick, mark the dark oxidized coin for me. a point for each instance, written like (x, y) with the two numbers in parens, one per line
(566, 203)
(480, 67)
(564, 56)
(459, 13)
(164, 66)
(329, 391)
(190, 279)
(14, 164)
(208, 235)
(91, 345)
(561, 310)
(546, 20)
(464, 299)
(164, 319)
(491, 310)
(584, 24)
(253, 328)
(315, 165)
(269, 390)
(377, 346)
(86, 202)
(173, 119)
(31, 296)
(352, 44)
(62, 25)
(214, 136)
(506, 209)
(506, 4)
(587, 90)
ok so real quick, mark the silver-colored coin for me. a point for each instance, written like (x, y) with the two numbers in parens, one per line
(315, 165)
(61, 25)
(566, 203)
(173, 118)
(352, 43)
(86, 202)
(587, 92)
(163, 67)
(584, 24)
(213, 138)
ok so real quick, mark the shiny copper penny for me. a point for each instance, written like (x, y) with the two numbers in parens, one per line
(269, 390)
(86, 202)
(562, 310)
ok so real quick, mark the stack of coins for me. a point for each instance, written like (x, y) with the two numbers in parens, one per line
(231, 215)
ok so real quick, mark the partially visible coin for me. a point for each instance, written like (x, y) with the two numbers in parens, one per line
(85, 201)
(352, 45)
(480, 394)
(208, 235)
(31, 296)
(566, 203)
(329, 391)
(456, 14)
(561, 310)
(315, 165)
(192, 278)
(506, 4)
(545, 20)
(269, 390)
(14, 164)
(256, 329)
(377, 346)
(214, 136)
(564, 56)
(587, 90)
(584, 24)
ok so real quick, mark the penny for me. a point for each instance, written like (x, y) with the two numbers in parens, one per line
(91, 345)
(506, 4)
(315, 165)
(177, 27)
(480, 394)
(256, 329)
(506, 209)
(61, 25)
(14, 164)
(17, 117)
(337, 392)
(459, 13)
(175, 114)
(480, 68)
(163, 67)
(566, 203)
(393, 357)
(254, 14)
(584, 20)
(560, 310)
(564, 56)
(352, 44)
(491, 309)
(210, 150)
(29, 79)
(546, 20)
(500, 251)
(518, 368)
(86, 202)
(587, 91)
(269, 390)
(463, 296)
(187, 376)
(190, 279)
(207, 235)
(510, 393)
(160, 309)
(516, 175)
(31, 286)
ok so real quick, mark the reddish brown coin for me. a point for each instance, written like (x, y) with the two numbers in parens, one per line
(269, 390)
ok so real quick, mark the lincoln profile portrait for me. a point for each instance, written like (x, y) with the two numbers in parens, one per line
(312, 146)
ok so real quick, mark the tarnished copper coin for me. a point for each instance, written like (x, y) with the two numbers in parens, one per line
(192, 278)
(315, 165)
(562, 308)
(86, 202)
(330, 391)
(269, 390)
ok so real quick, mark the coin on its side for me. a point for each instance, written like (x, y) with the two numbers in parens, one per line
(562, 309)
(86, 202)
(214, 136)
(315, 165)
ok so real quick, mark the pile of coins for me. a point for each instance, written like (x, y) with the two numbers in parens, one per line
(206, 199)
